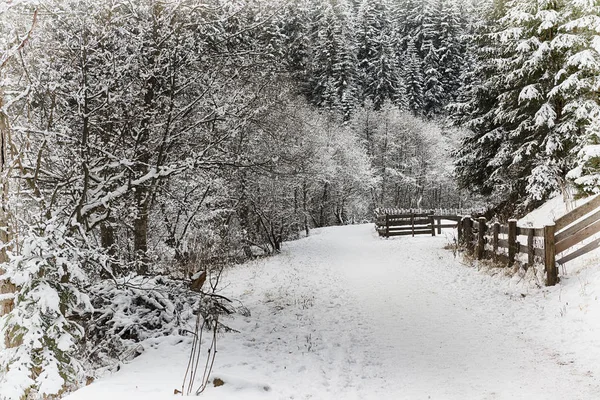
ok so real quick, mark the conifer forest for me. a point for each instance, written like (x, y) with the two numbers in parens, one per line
(147, 144)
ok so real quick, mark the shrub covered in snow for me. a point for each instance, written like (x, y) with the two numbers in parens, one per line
(63, 328)
(38, 336)
(129, 310)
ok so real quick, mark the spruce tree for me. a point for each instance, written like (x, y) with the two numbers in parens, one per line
(294, 28)
(433, 96)
(516, 147)
(408, 16)
(377, 66)
(332, 64)
(413, 77)
(451, 47)
(579, 82)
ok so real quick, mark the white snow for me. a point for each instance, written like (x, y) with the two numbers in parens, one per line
(529, 92)
(584, 60)
(545, 116)
(551, 211)
(344, 314)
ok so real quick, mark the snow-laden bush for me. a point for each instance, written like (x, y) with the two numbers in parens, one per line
(38, 338)
(129, 310)
(62, 324)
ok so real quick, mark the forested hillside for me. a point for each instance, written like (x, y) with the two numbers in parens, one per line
(144, 141)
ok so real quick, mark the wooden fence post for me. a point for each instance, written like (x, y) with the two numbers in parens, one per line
(496, 233)
(439, 221)
(468, 233)
(387, 226)
(412, 222)
(530, 249)
(432, 220)
(550, 255)
(512, 241)
(481, 238)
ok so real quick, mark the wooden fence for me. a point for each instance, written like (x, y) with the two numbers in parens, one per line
(436, 211)
(413, 223)
(504, 242)
(549, 245)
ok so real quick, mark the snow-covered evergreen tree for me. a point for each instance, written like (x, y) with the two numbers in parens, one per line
(413, 77)
(408, 18)
(579, 83)
(332, 65)
(434, 94)
(517, 146)
(379, 78)
(476, 105)
(444, 47)
(294, 26)
(451, 47)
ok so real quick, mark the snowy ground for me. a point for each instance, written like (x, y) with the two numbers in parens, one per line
(344, 314)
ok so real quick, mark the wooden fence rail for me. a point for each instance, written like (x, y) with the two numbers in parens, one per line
(483, 240)
(504, 243)
(413, 224)
(554, 240)
(436, 211)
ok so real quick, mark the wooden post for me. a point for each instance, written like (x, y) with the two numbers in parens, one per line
(432, 220)
(512, 241)
(496, 233)
(550, 255)
(387, 226)
(412, 223)
(468, 233)
(530, 249)
(481, 238)
(439, 221)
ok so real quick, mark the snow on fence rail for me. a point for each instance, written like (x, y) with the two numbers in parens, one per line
(504, 243)
(436, 211)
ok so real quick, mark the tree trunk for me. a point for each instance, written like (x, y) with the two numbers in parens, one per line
(322, 214)
(384, 157)
(244, 216)
(6, 306)
(305, 206)
(108, 242)
(143, 194)
(140, 232)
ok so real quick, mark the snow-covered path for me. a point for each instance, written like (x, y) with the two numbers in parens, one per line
(344, 314)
